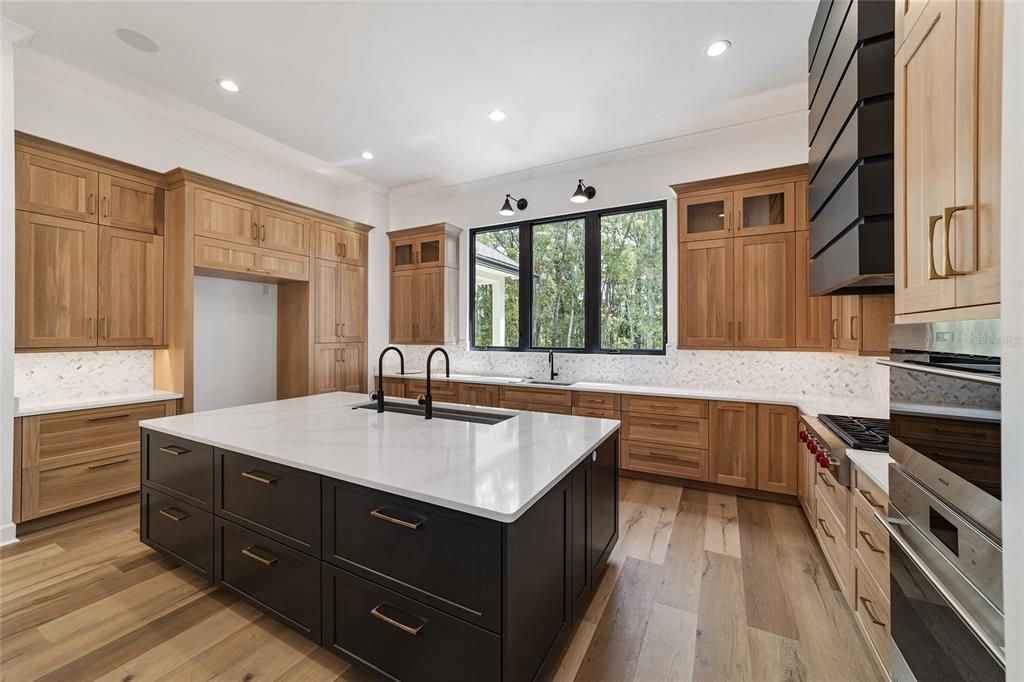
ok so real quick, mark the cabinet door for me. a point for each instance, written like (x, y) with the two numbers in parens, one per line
(604, 501)
(764, 291)
(353, 368)
(326, 367)
(225, 218)
(706, 293)
(283, 231)
(430, 250)
(925, 151)
(429, 290)
(131, 288)
(813, 313)
(131, 205)
(55, 188)
(734, 444)
(765, 210)
(403, 307)
(326, 326)
(777, 449)
(55, 282)
(845, 313)
(280, 265)
(907, 14)
(353, 246)
(214, 254)
(403, 255)
(352, 303)
(708, 216)
(327, 241)
(580, 569)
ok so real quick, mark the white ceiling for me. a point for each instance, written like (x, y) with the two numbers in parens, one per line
(413, 82)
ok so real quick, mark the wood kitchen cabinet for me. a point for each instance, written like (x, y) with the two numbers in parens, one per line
(813, 313)
(424, 285)
(339, 367)
(764, 291)
(777, 452)
(56, 188)
(130, 291)
(340, 302)
(860, 324)
(225, 218)
(706, 216)
(706, 293)
(766, 209)
(340, 244)
(282, 231)
(131, 205)
(733, 444)
(948, 85)
(215, 257)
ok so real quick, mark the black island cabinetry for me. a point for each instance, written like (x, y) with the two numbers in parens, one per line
(416, 591)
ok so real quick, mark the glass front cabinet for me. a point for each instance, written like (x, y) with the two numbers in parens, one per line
(747, 210)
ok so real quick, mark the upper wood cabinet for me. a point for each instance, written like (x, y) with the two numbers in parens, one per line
(948, 86)
(813, 313)
(777, 451)
(764, 291)
(282, 231)
(706, 216)
(131, 288)
(860, 324)
(425, 284)
(763, 202)
(215, 256)
(55, 281)
(339, 367)
(733, 444)
(340, 244)
(226, 218)
(706, 293)
(56, 188)
(340, 302)
(765, 210)
(131, 205)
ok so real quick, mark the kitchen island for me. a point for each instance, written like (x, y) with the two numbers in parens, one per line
(425, 549)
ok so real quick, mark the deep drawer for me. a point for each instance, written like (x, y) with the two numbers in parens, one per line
(449, 560)
(442, 391)
(677, 407)
(282, 581)
(596, 400)
(179, 529)
(833, 543)
(86, 435)
(597, 412)
(179, 467)
(665, 459)
(837, 497)
(545, 396)
(66, 487)
(679, 431)
(278, 501)
(871, 544)
(402, 637)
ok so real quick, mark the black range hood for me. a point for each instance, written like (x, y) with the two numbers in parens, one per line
(850, 147)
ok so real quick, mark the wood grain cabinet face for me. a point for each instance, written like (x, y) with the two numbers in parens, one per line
(417, 306)
(327, 368)
(55, 188)
(131, 205)
(733, 444)
(478, 394)
(131, 288)
(352, 303)
(706, 216)
(225, 218)
(706, 293)
(765, 210)
(764, 291)
(281, 231)
(55, 275)
(353, 368)
(813, 313)
(353, 247)
(403, 307)
(777, 451)
(327, 275)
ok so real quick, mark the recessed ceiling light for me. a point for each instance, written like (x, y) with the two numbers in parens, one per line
(497, 115)
(717, 48)
(229, 85)
(134, 39)
(367, 155)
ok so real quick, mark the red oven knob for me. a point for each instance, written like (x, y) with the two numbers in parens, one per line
(803, 436)
(813, 447)
(823, 461)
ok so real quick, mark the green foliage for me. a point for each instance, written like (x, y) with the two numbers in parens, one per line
(632, 295)
(558, 284)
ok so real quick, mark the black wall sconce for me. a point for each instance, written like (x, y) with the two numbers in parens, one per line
(506, 208)
(583, 193)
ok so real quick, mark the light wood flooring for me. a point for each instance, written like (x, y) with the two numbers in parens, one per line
(701, 586)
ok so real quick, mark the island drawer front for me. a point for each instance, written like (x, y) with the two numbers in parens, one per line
(667, 460)
(596, 400)
(278, 579)
(179, 529)
(545, 396)
(179, 467)
(447, 559)
(442, 391)
(679, 431)
(678, 407)
(402, 637)
(278, 501)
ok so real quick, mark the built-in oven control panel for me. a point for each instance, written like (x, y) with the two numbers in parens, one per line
(829, 455)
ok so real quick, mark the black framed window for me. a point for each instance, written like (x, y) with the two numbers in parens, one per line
(596, 284)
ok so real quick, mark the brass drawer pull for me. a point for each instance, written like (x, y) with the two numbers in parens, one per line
(92, 203)
(109, 464)
(174, 514)
(871, 499)
(109, 416)
(379, 514)
(871, 612)
(106, 327)
(853, 328)
(263, 233)
(824, 529)
(259, 477)
(947, 220)
(661, 425)
(824, 479)
(932, 272)
(835, 329)
(105, 208)
(175, 450)
(257, 270)
(251, 553)
(870, 543)
(255, 232)
(376, 613)
(337, 249)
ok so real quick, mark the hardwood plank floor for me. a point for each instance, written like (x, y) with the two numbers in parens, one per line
(701, 586)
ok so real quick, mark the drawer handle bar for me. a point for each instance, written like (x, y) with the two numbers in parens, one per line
(824, 479)
(871, 612)
(871, 499)
(375, 612)
(109, 464)
(259, 477)
(109, 416)
(175, 450)
(824, 529)
(378, 514)
(174, 514)
(249, 552)
(870, 543)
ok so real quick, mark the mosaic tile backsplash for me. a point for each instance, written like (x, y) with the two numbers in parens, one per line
(44, 376)
(816, 375)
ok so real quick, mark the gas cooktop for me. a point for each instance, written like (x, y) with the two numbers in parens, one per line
(859, 433)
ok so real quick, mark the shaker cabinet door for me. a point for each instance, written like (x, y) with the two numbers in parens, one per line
(55, 188)
(131, 288)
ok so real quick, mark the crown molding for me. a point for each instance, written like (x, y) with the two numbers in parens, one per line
(13, 32)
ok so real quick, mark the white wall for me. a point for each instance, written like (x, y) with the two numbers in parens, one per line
(235, 342)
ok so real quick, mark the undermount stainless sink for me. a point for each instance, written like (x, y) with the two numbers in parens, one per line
(449, 413)
(550, 382)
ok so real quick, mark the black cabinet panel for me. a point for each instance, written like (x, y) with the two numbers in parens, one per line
(604, 505)
(278, 501)
(180, 467)
(579, 564)
(402, 637)
(865, 193)
(447, 559)
(278, 579)
(178, 529)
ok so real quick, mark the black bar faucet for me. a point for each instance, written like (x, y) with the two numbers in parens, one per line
(551, 364)
(427, 401)
(378, 395)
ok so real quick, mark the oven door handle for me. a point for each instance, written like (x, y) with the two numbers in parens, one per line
(956, 374)
(993, 647)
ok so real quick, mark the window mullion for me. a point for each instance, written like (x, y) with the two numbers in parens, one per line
(592, 288)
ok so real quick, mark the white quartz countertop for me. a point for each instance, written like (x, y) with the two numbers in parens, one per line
(807, 404)
(494, 471)
(27, 408)
(874, 464)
